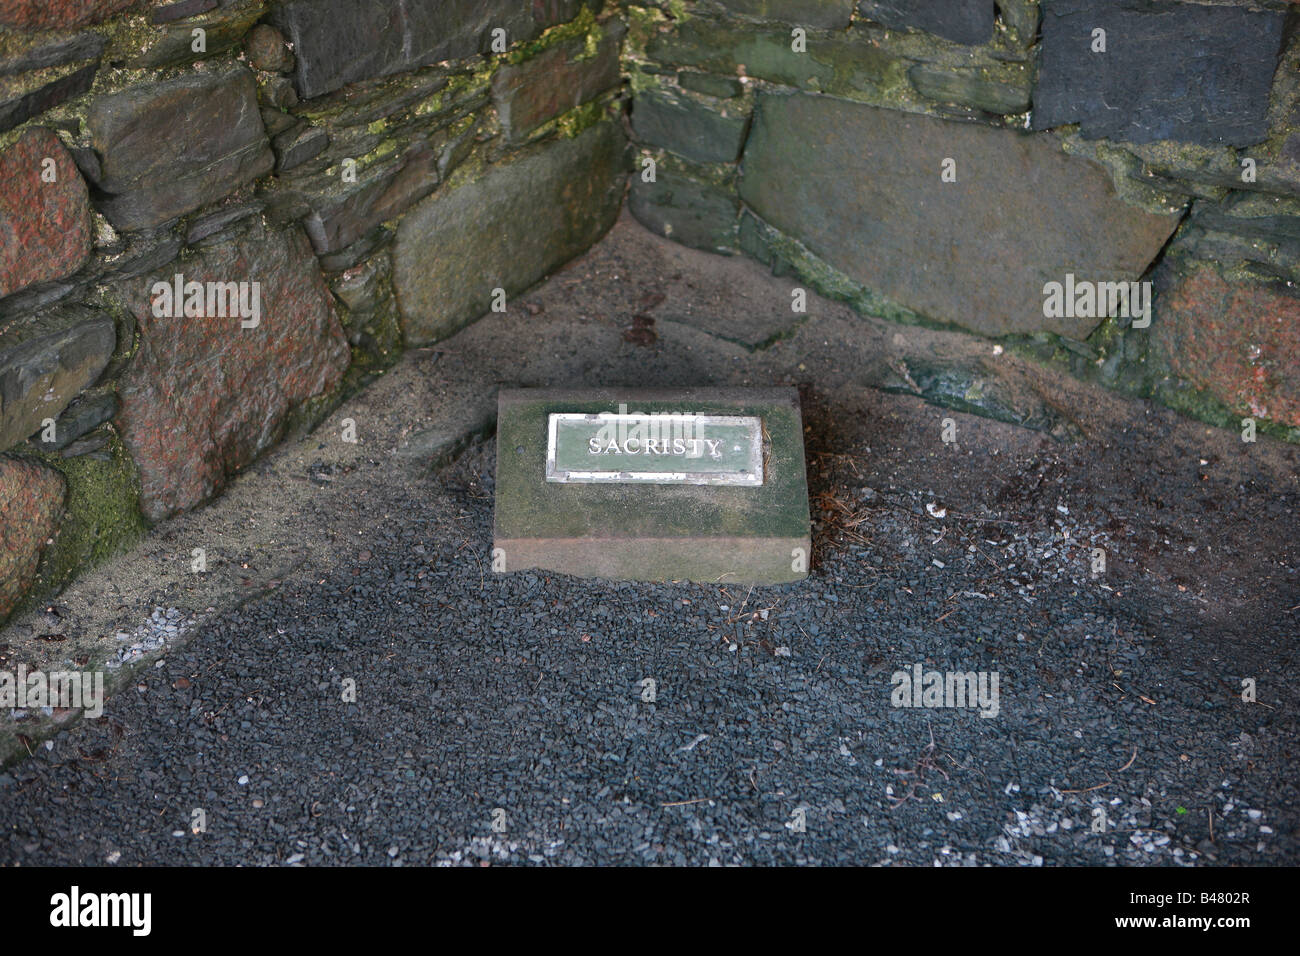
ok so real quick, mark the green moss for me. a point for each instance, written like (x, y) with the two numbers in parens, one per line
(582, 26)
(643, 23)
(1203, 406)
(573, 122)
(102, 516)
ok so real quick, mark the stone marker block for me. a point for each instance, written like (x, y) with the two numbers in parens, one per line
(703, 484)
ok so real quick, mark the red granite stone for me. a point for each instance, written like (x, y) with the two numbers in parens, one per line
(204, 396)
(1239, 341)
(46, 227)
(51, 14)
(31, 504)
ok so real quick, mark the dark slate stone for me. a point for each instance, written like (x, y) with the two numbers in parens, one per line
(85, 414)
(22, 108)
(294, 147)
(277, 121)
(338, 220)
(95, 447)
(144, 256)
(172, 147)
(213, 224)
(687, 127)
(45, 363)
(723, 87)
(87, 161)
(962, 21)
(337, 42)
(547, 13)
(224, 29)
(84, 46)
(1177, 71)
(42, 295)
(371, 242)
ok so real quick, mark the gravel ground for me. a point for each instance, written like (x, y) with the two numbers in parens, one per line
(505, 719)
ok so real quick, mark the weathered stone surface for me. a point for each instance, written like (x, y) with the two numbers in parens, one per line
(296, 146)
(817, 14)
(20, 109)
(1237, 340)
(376, 239)
(723, 87)
(1248, 227)
(51, 14)
(86, 413)
(687, 127)
(381, 194)
(1021, 19)
(962, 21)
(216, 223)
(31, 501)
(60, 52)
(277, 121)
(46, 229)
(970, 89)
(1020, 214)
(337, 42)
(694, 213)
(169, 148)
(506, 230)
(267, 50)
(280, 93)
(979, 386)
(834, 62)
(556, 80)
(181, 10)
(45, 363)
(204, 396)
(223, 28)
(1179, 71)
(657, 532)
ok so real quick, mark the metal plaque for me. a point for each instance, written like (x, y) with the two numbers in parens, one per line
(655, 448)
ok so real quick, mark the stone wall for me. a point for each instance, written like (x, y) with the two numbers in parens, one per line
(944, 161)
(369, 170)
(335, 180)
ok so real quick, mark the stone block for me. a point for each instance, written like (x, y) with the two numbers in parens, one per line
(664, 516)
(861, 188)
(45, 215)
(169, 148)
(1179, 71)
(508, 229)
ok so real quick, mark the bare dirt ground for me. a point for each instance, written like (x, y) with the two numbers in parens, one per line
(773, 738)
